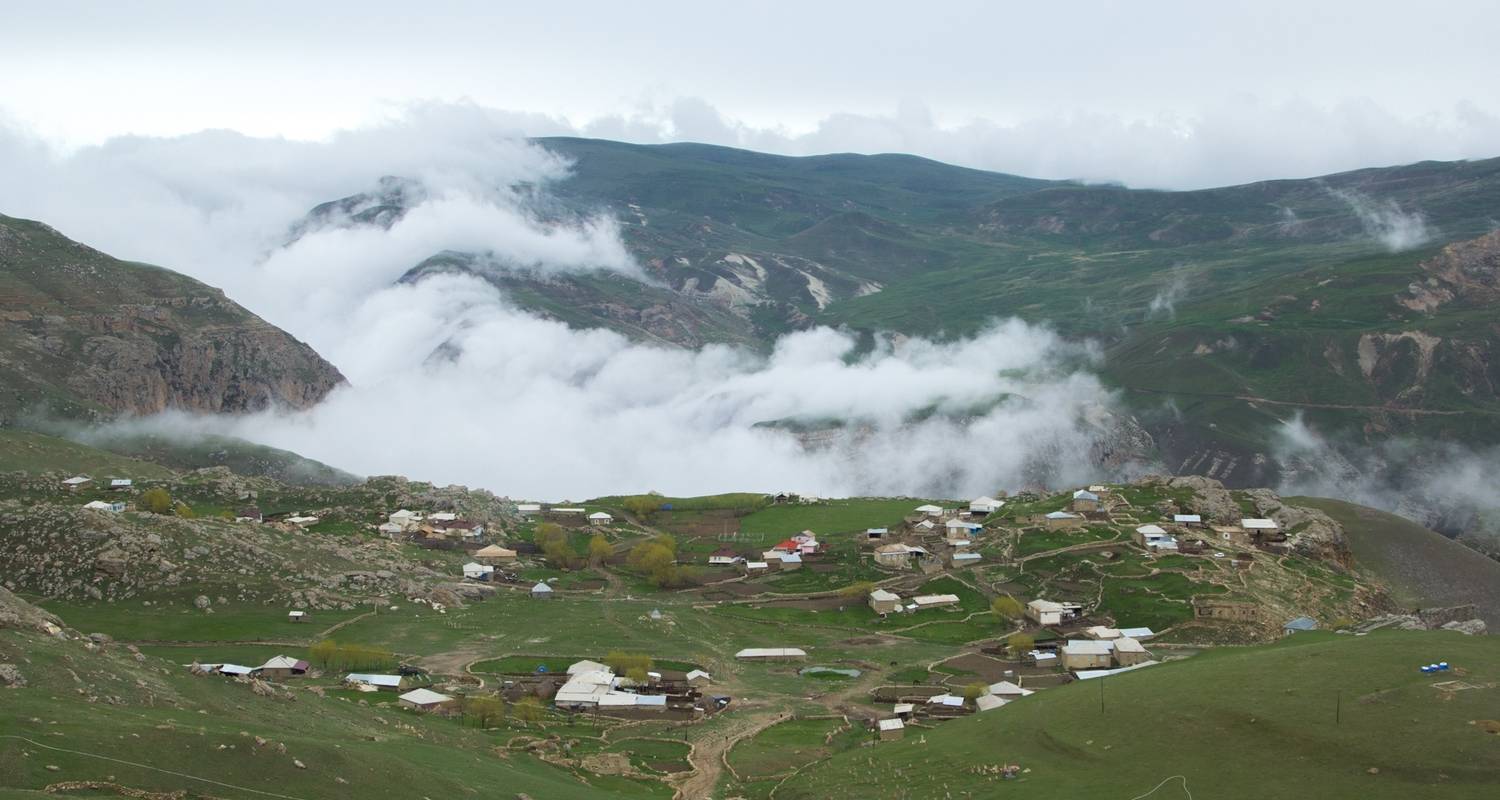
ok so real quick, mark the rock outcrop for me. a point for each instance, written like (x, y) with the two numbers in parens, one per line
(79, 326)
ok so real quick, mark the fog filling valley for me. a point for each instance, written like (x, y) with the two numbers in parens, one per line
(451, 382)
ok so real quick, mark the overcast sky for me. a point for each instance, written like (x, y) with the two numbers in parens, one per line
(1164, 94)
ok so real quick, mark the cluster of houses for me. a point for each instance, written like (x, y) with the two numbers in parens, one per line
(565, 514)
(80, 482)
(1086, 651)
(277, 667)
(942, 536)
(785, 556)
(435, 527)
(947, 705)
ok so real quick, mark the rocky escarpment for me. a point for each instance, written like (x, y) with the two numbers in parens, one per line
(1467, 270)
(1310, 532)
(87, 332)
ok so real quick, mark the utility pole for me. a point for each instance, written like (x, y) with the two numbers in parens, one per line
(1101, 694)
(1338, 706)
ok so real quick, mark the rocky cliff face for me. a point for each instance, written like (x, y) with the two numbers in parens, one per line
(87, 332)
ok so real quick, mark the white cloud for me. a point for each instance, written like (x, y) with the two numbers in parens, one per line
(1386, 222)
(527, 406)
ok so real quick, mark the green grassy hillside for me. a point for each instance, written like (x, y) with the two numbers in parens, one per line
(37, 452)
(1316, 715)
(1422, 568)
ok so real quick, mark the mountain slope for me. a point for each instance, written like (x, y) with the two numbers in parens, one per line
(1315, 715)
(85, 334)
(1362, 301)
(1422, 568)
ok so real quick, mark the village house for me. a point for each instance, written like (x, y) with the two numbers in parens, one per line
(756, 567)
(494, 555)
(897, 555)
(475, 571)
(724, 557)
(1101, 632)
(368, 682)
(1047, 612)
(232, 670)
(282, 667)
(1085, 501)
(698, 678)
(1154, 538)
(1188, 520)
(460, 528)
(989, 702)
(930, 510)
(100, 505)
(785, 561)
(121, 484)
(985, 505)
(423, 700)
(1006, 690)
(964, 559)
(541, 591)
(1139, 634)
(1259, 525)
(390, 530)
(301, 521)
(960, 529)
(600, 518)
(891, 729)
(1299, 624)
(903, 711)
(408, 520)
(875, 534)
(297, 616)
(1233, 610)
(249, 514)
(771, 654)
(1230, 534)
(1129, 652)
(1062, 520)
(1087, 654)
(926, 601)
(925, 526)
(528, 509)
(884, 602)
(76, 482)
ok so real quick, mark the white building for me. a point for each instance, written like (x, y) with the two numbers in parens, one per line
(1047, 612)
(771, 653)
(930, 510)
(478, 572)
(985, 505)
(600, 518)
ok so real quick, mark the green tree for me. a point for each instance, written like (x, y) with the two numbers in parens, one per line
(623, 663)
(184, 510)
(528, 709)
(1007, 608)
(976, 690)
(857, 590)
(157, 500)
(600, 549)
(484, 711)
(1020, 643)
(553, 542)
(642, 506)
(657, 558)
